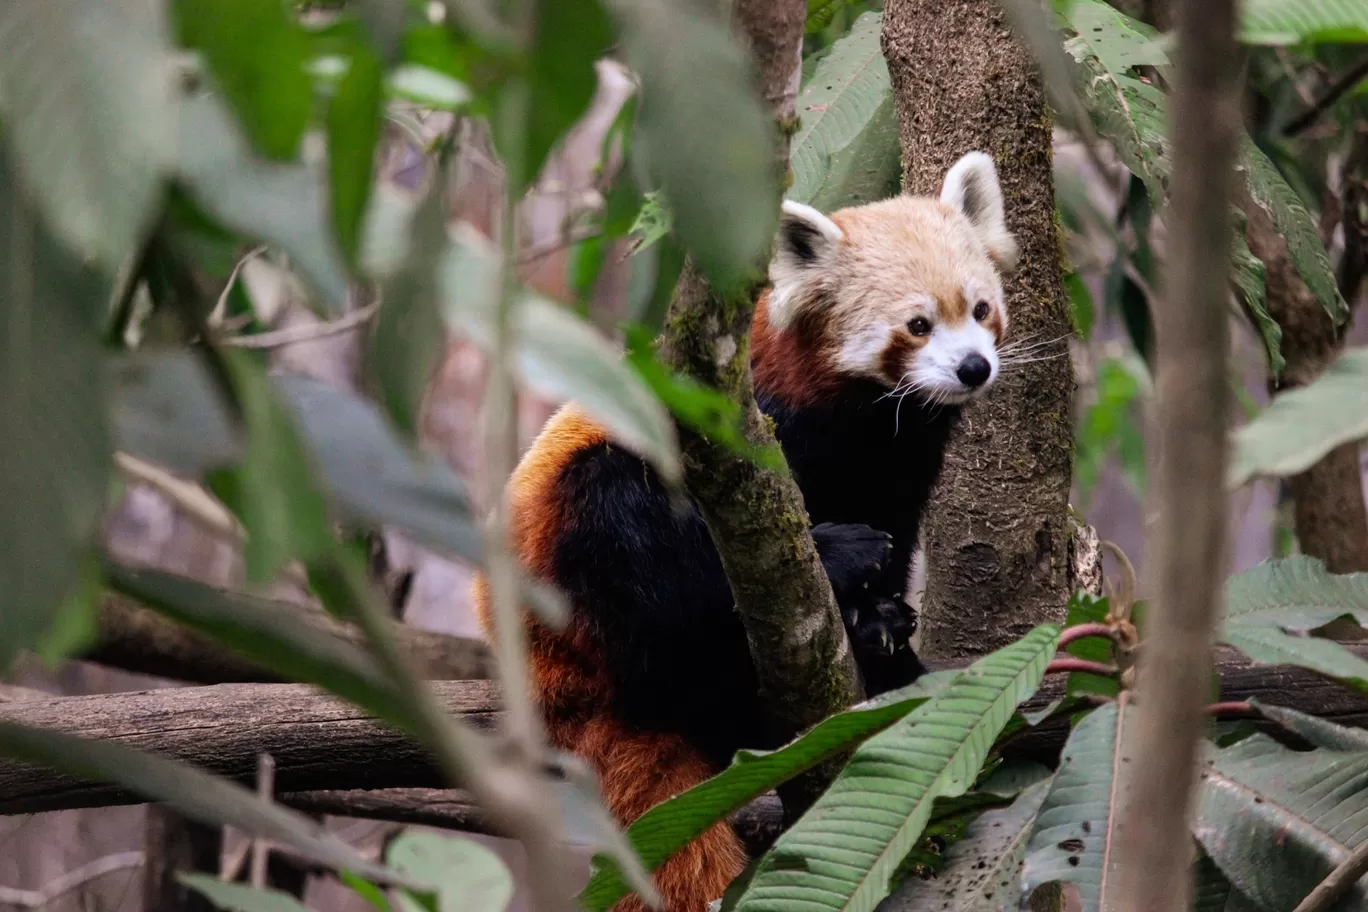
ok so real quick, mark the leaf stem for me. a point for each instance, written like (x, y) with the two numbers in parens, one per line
(1070, 665)
(1081, 631)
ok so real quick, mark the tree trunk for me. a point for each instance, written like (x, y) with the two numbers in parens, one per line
(997, 535)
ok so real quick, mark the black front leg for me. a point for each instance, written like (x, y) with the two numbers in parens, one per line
(879, 623)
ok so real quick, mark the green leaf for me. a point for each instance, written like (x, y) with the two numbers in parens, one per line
(1302, 425)
(1283, 22)
(198, 795)
(1088, 609)
(1315, 730)
(982, 871)
(260, 630)
(1271, 646)
(86, 93)
(256, 52)
(279, 204)
(281, 509)
(570, 36)
(1249, 274)
(1271, 192)
(559, 355)
(1212, 891)
(843, 851)
(1277, 821)
(846, 151)
(467, 876)
(409, 334)
(240, 897)
(354, 123)
(1074, 831)
(54, 442)
(670, 825)
(702, 126)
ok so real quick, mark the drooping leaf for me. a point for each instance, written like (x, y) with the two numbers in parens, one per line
(702, 126)
(559, 355)
(982, 871)
(1271, 192)
(466, 876)
(354, 123)
(409, 334)
(1250, 274)
(85, 90)
(279, 204)
(1301, 425)
(842, 853)
(198, 795)
(1278, 821)
(1315, 730)
(846, 150)
(669, 826)
(1075, 829)
(1288, 22)
(256, 51)
(54, 444)
(236, 897)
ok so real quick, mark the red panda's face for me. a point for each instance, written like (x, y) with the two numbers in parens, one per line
(907, 291)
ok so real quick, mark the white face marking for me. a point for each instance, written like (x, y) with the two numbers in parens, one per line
(936, 367)
(862, 352)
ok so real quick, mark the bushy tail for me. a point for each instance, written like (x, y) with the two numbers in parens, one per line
(639, 770)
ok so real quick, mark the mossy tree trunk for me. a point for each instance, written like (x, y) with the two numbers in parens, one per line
(997, 535)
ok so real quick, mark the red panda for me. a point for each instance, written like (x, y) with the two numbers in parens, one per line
(880, 322)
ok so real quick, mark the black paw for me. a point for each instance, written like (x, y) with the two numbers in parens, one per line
(880, 633)
(854, 556)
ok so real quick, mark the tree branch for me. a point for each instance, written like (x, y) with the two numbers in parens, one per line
(756, 516)
(1189, 538)
(1350, 78)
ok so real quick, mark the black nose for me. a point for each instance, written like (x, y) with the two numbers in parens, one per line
(974, 371)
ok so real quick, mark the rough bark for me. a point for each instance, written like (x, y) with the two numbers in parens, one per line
(1328, 507)
(173, 844)
(138, 639)
(331, 758)
(1188, 540)
(756, 516)
(997, 533)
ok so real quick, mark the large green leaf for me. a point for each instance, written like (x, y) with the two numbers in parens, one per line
(199, 795)
(559, 354)
(1271, 192)
(85, 92)
(1278, 821)
(1075, 829)
(279, 204)
(237, 897)
(53, 439)
(842, 853)
(846, 150)
(166, 410)
(1281, 22)
(982, 871)
(668, 827)
(256, 51)
(466, 876)
(703, 132)
(1301, 425)
(354, 123)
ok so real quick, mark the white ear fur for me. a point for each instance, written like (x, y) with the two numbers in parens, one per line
(971, 187)
(806, 240)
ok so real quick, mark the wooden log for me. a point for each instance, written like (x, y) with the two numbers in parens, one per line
(322, 744)
(134, 638)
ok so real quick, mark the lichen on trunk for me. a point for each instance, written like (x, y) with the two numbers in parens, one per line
(997, 534)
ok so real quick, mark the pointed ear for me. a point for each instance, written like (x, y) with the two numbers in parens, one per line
(807, 242)
(971, 187)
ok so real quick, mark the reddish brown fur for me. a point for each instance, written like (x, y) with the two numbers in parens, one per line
(795, 364)
(637, 770)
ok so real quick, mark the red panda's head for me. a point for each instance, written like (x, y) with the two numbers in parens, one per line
(905, 292)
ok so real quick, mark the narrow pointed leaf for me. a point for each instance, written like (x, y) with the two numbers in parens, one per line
(982, 871)
(1316, 731)
(1278, 821)
(1075, 831)
(1303, 424)
(1271, 646)
(354, 124)
(198, 795)
(846, 150)
(846, 848)
(85, 88)
(668, 827)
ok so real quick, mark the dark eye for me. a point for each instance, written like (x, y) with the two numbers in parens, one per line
(919, 326)
(981, 310)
